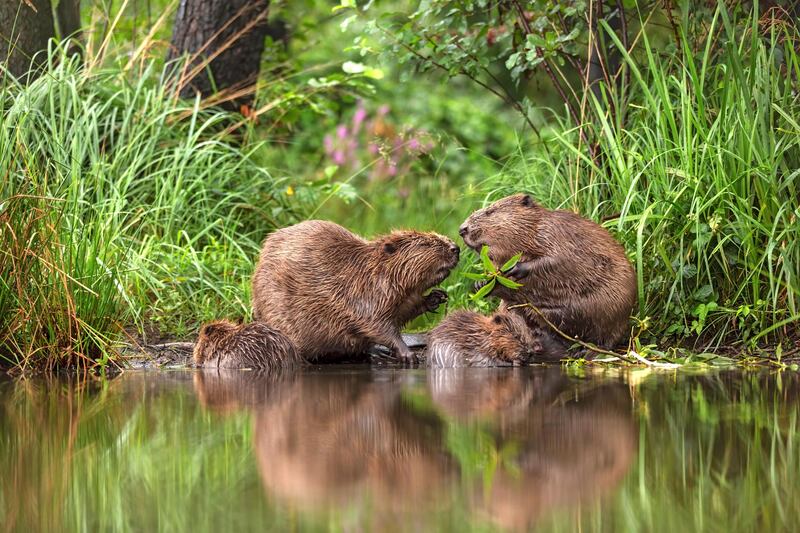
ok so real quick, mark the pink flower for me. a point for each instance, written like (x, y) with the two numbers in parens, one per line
(338, 157)
(358, 118)
(341, 131)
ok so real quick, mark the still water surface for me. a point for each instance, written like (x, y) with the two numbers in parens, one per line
(368, 449)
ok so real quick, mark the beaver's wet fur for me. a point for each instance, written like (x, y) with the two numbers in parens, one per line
(571, 268)
(466, 338)
(224, 344)
(335, 293)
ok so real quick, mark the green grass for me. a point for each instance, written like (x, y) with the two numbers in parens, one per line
(123, 209)
(120, 206)
(699, 182)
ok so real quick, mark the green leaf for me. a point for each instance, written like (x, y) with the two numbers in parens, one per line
(505, 282)
(511, 263)
(351, 67)
(487, 263)
(475, 276)
(486, 289)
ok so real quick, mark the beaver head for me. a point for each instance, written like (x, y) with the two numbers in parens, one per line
(417, 260)
(504, 226)
(210, 335)
(511, 338)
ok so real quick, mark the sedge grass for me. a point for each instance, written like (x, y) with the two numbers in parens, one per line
(699, 182)
(120, 204)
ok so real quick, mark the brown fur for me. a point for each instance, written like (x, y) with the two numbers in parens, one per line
(333, 292)
(466, 338)
(575, 272)
(223, 344)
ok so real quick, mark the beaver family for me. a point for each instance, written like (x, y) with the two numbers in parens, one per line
(223, 344)
(466, 338)
(571, 268)
(334, 292)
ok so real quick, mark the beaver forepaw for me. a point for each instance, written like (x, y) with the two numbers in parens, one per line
(519, 271)
(433, 300)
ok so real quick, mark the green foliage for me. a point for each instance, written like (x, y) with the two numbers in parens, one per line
(120, 205)
(699, 182)
(491, 275)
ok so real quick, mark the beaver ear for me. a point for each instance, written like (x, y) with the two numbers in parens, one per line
(389, 248)
(497, 319)
(527, 201)
(207, 329)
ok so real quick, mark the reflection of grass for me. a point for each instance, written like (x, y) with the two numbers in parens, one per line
(472, 444)
(715, 454)
(479, 454)
(146, 458)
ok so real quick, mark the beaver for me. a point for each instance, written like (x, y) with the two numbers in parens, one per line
(571, 268)
(223, 344)
(466, 338)
(335, 293)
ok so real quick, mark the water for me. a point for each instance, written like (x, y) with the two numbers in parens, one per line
(366, 449)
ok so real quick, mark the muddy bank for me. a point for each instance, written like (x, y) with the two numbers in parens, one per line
(166, 354)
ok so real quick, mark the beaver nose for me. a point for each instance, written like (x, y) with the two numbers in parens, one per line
(463, 230)
(455, 249)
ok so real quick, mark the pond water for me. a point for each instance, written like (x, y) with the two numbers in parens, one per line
(370, 449)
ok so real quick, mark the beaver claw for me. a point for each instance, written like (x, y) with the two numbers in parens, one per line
(519, 271)
(407, 357)
(433, 300)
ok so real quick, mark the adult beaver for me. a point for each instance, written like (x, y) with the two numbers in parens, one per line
(223, 344)
(571, 268)
(333, 292)
(466, 338)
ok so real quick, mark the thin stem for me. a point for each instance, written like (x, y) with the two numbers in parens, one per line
(587, 345)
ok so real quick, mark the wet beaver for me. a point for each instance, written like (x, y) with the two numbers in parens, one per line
(466, 338)
(223, 344)
(335, 293)
(572, 269)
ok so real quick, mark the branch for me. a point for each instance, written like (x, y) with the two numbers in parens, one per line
(570, 106)
(574, 340)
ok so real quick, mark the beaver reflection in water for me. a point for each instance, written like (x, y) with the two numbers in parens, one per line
(334, 440)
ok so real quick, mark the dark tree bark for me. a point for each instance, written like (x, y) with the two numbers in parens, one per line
(224, 40)
(25, 27)
(68, 18)
(604, 60)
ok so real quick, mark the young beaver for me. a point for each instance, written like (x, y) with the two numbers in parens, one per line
(572, 269)
(223, 344)
(335, 293)
(466, 338)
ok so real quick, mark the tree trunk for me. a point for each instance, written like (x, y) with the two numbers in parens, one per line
(224, 40)
(25, 28)
(68, 17)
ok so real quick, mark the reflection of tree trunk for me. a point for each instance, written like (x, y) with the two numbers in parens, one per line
(225, 39)
(25, 27)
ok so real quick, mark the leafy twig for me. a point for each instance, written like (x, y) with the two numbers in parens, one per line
(491, 275)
